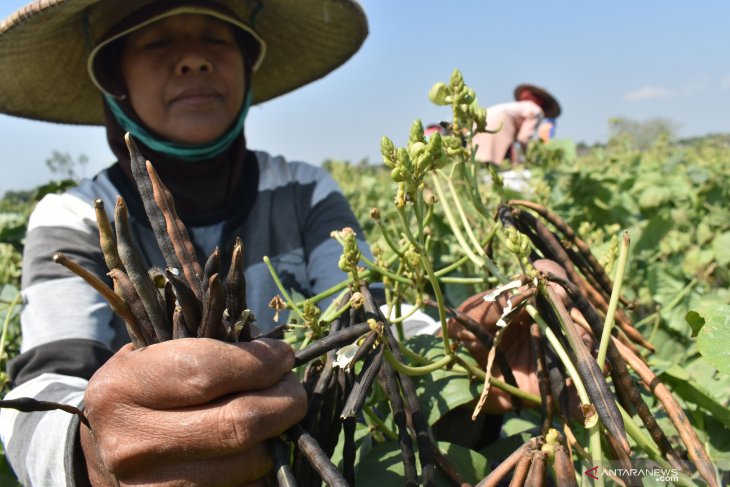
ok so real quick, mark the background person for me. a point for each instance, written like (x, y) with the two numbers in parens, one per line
(519, 121)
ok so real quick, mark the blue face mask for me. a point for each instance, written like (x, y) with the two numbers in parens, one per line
(178, 151)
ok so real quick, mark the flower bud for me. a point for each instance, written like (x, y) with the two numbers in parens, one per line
(480, 118)
(467, 96)
(400, 196)
(416, 134)
(457, 81)
(387, 149)
(438, 94)
(429, 197)
(357, 300)
(416, 150)
(398, 174)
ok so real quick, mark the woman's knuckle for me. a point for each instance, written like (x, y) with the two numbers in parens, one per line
(234, 427)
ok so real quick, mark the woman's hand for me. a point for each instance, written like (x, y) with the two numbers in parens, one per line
(190, 412)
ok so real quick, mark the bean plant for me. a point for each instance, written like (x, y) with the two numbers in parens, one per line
(451, 227)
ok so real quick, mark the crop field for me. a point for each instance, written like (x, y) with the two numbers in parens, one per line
(632, 357)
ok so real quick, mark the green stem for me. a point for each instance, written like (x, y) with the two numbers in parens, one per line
(283, 292)
(379, 423)
(388, 240)
(420, 370)
(413, 356)
(401, 319)
(439, 301)
(330, 315)
(418, 211)
(395, 306)
(682, 294)
(306, 342)
(593, 430)
(429, 215)
(474, 194)
(464, 219)
(343, 284)
(464, 280)
(376, 268)
(623, 257)
(478, 261)
(407, 227)
(426, 264)
(646, 319)
(655, 327)
(455, 265)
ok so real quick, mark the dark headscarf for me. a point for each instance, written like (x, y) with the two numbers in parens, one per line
(199, 188)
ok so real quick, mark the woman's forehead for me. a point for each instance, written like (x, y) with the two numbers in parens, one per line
(186, 22)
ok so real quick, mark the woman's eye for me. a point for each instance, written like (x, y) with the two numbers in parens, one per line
(155, 44)
(217, 40)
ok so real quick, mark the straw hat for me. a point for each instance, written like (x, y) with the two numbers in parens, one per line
(550, 105)
(45, 47)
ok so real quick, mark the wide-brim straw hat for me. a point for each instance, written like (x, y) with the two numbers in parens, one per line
(45, 46)
(550, 105)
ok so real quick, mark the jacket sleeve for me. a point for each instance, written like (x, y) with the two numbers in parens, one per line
(328, 211)
(68, 331)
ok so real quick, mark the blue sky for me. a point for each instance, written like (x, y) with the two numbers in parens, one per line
(654, 58)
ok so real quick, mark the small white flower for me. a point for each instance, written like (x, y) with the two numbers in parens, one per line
(344, 355)
(491, 297)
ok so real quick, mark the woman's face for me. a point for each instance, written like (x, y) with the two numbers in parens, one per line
(185, 77)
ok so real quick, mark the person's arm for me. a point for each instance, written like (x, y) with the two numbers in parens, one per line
(67, 334)
(326, 210)
(531, 115)
(127, 400)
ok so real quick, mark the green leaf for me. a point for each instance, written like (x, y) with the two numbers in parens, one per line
(695, 321)
(654, 196)
(713, 340)
(687, 387)
(442, 390)
(501, 449)
(654, 231)
(527, 420)
(666, 286)
(382, 466)
(721, 248)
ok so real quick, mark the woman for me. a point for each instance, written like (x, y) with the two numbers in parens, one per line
(518, 122)
(180, 77)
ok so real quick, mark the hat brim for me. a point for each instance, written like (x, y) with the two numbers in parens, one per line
(550, 107)
(44, 49)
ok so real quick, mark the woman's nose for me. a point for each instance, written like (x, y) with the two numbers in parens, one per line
(193, 61)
